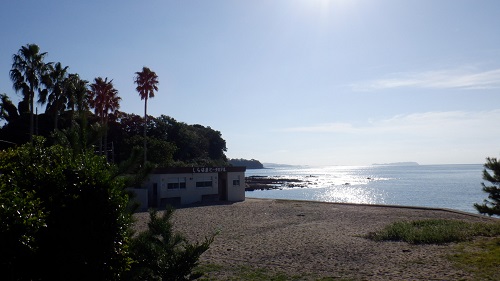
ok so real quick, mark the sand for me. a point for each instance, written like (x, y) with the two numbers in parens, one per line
(313, 240)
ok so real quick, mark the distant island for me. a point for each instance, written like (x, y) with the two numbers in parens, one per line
(398, 164)
(275, 165)
(249, 164)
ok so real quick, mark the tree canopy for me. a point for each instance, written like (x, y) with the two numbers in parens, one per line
(113, 133)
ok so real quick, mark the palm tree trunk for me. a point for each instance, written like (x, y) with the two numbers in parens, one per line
(101, 133)
(32, 116)
(106, 140)
(145, 126)
(83, 129)
(55, 121)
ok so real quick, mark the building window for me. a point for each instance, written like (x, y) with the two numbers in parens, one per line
(176, 183)
(204, 182)
(236, 182)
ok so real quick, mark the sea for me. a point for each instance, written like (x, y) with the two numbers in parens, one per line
(455, 187)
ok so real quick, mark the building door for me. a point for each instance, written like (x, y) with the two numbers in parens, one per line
(154, 196)
(223, 186)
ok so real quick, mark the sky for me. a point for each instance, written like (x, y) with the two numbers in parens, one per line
(304, 82)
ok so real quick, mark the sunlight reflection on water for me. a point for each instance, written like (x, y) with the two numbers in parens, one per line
(349, 194)
(437, 186)
(340, 184)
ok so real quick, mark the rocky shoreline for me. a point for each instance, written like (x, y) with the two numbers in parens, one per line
(268, 183)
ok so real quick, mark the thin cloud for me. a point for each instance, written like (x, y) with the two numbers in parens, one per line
(462, 78)
(431, 124)
(323, 128)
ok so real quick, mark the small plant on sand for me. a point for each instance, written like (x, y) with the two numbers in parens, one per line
(435, 231)
(161, 254)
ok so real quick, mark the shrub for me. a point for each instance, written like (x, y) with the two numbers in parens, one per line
(71, 221)
(161, 254)
(21, 219)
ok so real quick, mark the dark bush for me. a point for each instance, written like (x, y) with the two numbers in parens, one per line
(71, 221)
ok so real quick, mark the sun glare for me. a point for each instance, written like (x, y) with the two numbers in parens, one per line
(322, 4)
(329, 9)
(330, 4)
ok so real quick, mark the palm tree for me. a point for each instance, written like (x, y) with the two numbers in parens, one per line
(8, 111)
(28, 71)
(103, 97)
(54, 95)
(76, 91)
(147, 84)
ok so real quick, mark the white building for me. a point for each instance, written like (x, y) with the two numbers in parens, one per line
(186, 185)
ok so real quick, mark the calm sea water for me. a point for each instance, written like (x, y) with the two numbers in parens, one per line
(442, 186)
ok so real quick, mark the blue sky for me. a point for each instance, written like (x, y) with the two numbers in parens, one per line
(314, 82)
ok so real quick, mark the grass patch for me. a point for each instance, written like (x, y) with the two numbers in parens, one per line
(435, 231)
(480, 257)
(248, 273)
(242, 273)
(262, 274)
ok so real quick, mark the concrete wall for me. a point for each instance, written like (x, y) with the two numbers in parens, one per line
(236, 186)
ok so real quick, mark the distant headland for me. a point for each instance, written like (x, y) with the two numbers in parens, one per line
(397, 164)
(249, 164)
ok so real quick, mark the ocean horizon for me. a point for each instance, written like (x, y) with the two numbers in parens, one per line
(449, 186)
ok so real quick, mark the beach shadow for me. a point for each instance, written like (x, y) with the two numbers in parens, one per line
(204, 204)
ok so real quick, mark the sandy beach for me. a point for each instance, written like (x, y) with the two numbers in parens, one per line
(314, 240)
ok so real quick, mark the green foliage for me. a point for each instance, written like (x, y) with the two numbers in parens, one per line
(73, 217)
(172, 143)
(162, 254)
(491, 206)
(21, 218)
(195, 143)
(435, 231)
(54, 95)
(8, 111)
(160, 152)
(104, 99)
(27, 74)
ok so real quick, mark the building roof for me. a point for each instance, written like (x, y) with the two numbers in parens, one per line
(197, 170)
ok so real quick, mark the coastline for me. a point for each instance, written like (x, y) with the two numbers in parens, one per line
(314, 239)
(439, 186)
